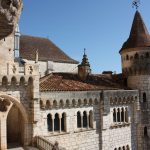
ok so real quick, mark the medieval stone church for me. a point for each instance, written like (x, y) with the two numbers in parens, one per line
(49, 101)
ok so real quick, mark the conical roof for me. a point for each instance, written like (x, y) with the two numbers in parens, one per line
(139, 36)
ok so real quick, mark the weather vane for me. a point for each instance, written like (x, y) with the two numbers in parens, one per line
(136, 4)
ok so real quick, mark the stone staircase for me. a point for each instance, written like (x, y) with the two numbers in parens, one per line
(21, 148)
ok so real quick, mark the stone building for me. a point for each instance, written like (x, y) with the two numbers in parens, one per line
(49, 101)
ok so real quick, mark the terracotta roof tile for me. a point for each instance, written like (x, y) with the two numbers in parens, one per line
(139, 36)
(47, 50)
(71, 82)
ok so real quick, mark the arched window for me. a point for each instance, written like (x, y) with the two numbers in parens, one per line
(79, 102)
(91, 102)
(115, 149)
(56, 122)
(147, 55)
(123, 148)
(22, 81)
(136, 56)
(127, 147)
(127, 57)
(122, 114)
(74, 103)
(78, 119)
(126, 115)
(85, 102)
(13, 81)
(144, 97)
(145, 132)
(41, 104)
(61, 103)
(48, 104)
(49, 122)
(67, 103)
(118, 115)
(54, 104)
(91, 119)
(114, 115)
(63, 122)
(119, 148)
(84, 119)
(4, 81)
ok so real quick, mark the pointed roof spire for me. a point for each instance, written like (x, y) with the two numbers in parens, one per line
(85, 61)
(139, 36)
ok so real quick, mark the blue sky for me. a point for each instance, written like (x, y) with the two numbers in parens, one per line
(100, 26)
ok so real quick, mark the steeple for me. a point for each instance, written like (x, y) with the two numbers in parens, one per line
(139, 36)
(84, 68)
(85, 61)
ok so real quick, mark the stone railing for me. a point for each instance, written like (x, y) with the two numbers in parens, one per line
(44, 144)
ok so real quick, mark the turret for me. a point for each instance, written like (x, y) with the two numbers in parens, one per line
(84, 68)
(17, 42)
(135, 52)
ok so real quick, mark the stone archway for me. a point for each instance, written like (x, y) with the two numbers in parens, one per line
(15, 128)
(13, 122)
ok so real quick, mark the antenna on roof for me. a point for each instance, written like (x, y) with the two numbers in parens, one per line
(136, 4)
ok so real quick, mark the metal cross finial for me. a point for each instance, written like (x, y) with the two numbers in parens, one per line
(136, 4)
(84, 50)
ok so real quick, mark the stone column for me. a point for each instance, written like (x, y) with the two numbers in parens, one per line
(53, 124)
(116, 116)
(81, 121)
(87, 120)
(60, 123)
(124, 115)
(3, 136)
(120, 115)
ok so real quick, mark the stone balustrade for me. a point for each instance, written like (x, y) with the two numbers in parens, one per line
(123, 100)
(66, 103)
(44, 144)
(16, 80)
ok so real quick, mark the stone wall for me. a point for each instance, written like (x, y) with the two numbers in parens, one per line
(50, 66)
(119, 134)
(142, 83)
(73, 138)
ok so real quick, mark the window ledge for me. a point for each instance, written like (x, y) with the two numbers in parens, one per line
(120, 125)
(84, 130)
(57, 133)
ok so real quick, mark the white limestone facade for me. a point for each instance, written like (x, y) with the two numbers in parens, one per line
(47, 67)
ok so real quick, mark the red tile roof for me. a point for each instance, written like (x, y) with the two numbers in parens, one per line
(48, 51)
(139, 36)
(71, 82)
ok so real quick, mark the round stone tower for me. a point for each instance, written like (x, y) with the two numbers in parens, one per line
(135, 56)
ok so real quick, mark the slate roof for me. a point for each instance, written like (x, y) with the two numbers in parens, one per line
(139, 35)
(71, 82)
(46, 48)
